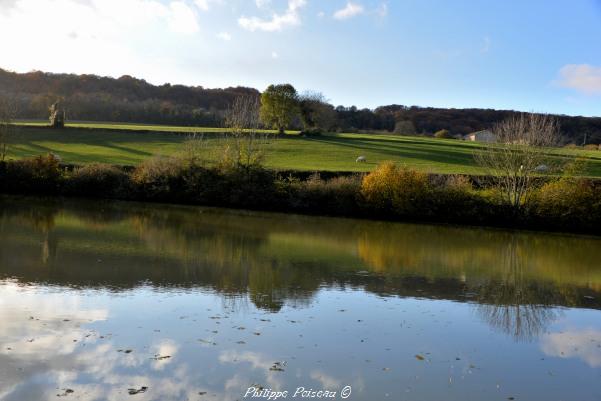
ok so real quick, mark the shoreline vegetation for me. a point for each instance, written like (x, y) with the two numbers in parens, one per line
(390, 192)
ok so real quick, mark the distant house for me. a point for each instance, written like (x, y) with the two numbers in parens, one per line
(481, 136)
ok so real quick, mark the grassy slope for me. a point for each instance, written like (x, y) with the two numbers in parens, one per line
(334, 152)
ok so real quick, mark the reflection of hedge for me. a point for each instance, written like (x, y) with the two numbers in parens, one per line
(389, 192)
(278, 260)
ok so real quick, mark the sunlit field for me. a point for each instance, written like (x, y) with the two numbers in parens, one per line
(129, 144)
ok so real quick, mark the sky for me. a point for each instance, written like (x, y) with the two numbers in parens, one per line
(535, 55)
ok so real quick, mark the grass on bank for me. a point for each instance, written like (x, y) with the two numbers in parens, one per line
(130, 144)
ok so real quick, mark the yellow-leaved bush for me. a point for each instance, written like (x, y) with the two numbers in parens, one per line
(398, 189)
(569, 201)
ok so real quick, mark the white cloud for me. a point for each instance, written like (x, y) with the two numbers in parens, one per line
(584, 345)
(205, 5)
(583, 78)
(262, 3)
(7, 5)
(274, 55)
(164, 352)
(182, 18)
(202, 4)
(257, 361)
(327, 382)
(92, 34)
(349, 11)
(277, 22)
(224, 36)
(321, 14)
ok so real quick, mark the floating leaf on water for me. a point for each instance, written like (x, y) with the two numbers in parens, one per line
(160, 358)
(278, 366)
(133, 391)
(67, 391)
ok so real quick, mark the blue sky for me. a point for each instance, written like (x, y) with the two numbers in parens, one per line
(526, 55)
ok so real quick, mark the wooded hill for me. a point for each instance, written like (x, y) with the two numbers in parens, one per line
(128, 99)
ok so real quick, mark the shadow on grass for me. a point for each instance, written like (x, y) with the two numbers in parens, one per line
(400, 149)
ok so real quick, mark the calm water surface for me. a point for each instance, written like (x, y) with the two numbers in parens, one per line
(200, 304)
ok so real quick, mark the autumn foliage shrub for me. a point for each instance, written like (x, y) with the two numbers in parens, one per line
(98, 179)
(337, 196)
(389, 192)
(159, 178)
(569, 203)
(37, 175)
(400, 190)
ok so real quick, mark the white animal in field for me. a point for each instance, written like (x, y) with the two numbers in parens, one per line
(542, 168)
(361, 159)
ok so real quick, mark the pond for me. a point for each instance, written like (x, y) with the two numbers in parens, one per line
(116, 301)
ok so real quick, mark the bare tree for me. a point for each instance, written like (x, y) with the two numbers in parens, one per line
(8, 112)
(244, 143)
(196, 150)
(520, 153)
(512, 302)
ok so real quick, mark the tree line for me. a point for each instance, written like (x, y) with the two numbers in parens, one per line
(128, 99)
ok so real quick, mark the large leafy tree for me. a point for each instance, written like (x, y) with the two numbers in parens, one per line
(316, 112)
(279, 106)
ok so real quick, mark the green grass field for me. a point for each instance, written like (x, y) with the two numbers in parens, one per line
(129, 144)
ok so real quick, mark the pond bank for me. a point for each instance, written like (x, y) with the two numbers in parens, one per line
(388, 193)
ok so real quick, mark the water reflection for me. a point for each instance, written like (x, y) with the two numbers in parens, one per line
(513, 277)
(99, 298)
(511, 302)
(582, 344)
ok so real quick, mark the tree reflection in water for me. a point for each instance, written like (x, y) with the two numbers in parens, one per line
(513, 303)
(275, 260)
